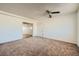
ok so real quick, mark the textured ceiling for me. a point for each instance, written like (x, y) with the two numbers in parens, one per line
(37, 10)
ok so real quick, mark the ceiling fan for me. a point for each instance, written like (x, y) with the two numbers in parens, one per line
(50, 13)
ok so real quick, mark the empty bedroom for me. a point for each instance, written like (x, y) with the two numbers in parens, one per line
(39, 29)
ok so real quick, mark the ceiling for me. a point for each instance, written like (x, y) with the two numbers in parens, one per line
(38, 10)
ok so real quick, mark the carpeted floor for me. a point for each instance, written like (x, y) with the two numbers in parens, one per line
(37, 46)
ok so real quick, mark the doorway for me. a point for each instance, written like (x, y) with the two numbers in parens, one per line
(27, 30)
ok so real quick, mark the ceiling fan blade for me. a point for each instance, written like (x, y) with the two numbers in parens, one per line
(55, 12)
(50, 16)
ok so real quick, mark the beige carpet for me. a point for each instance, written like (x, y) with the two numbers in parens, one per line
(36, 46)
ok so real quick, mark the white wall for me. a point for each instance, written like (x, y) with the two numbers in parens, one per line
(78, 28)
(60, 27)
(11, 27)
